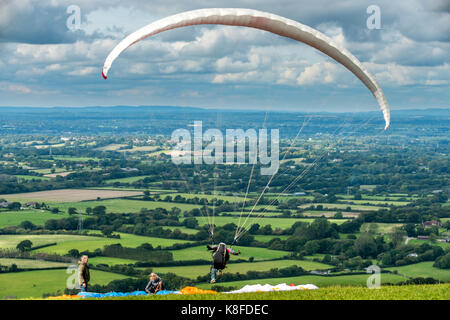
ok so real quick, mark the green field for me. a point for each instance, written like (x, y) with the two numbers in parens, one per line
(31, 263)
(64, 243)
(183, 230)
(444, 245)
(380, 227)
(267, 238)
(49, 171)
(244, 214)
(61, 196)
(37, 217)
(111, 147)
(202, 253)
(423, 269)
(35, 283)
(109, 261)
(194, 271)
(27, 177)
(76, 159)
(125, 205)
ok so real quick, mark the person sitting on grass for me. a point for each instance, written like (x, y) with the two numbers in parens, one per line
(155, 284)
(221, 255)
(83, 273)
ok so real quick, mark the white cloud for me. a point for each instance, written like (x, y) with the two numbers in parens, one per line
(83, 71)
(321, 72)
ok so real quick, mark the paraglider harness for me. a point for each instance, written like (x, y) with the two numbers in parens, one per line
(220, 255)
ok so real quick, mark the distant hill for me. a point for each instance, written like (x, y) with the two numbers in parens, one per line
(165, 119)
(164, 109)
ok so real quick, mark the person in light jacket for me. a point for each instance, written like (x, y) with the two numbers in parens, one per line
(84, 275)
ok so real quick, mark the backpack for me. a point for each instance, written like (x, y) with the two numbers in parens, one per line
(220, 257)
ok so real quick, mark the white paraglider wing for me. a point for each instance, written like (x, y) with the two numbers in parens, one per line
(263, 21)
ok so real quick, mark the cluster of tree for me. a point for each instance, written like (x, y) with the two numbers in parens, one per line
(408, 254)
(11, 268)
(144, 252)
(443, 262)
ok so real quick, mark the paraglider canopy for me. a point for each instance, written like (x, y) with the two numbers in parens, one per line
(263, 21)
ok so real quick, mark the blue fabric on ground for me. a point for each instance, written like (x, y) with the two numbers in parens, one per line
(164, 292)
(111, 294)
(90, 295)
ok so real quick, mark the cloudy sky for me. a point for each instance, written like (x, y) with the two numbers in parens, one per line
(43, 62)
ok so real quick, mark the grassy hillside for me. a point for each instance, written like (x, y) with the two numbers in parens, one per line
(424, 270)
(36, 283)
(418, 292)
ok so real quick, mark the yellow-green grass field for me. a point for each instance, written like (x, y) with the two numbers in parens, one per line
(124, 205)
(193, 272)
(200, 252)
(28, 177)
(111, 147)
(444, 245)
(64, 243)
(35, 283)
(424, 270)
(183, 230)
(45, 146)
(37, 217)
(76, 159)
(379, 227)
(410, 292)
(109, 261)
(282, 223)
(31, 263)
(267, 238)
(49, 171)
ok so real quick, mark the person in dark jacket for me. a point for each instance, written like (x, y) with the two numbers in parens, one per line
(221, 255)
(84, 275)
(155, 284)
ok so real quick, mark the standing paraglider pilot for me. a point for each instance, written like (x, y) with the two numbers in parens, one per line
(83, 273)
(221, 255)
